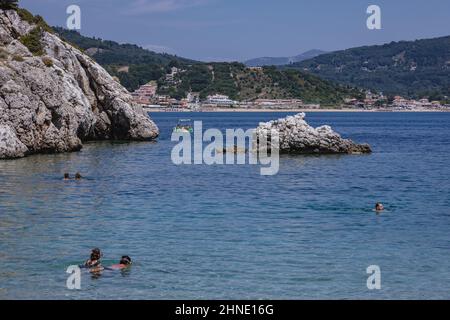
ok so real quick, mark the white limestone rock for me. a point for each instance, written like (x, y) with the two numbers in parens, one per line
(297, 136)
(10, 146)
(55, 102)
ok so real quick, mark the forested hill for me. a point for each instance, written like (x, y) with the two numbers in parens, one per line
(412, 68)
(141, 65)
(135, 66)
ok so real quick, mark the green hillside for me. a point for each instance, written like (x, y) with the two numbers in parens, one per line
(141, 65)
(242, 83)
(410, 68)
(135, 66)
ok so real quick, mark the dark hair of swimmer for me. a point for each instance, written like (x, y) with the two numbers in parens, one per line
(96, 254)
(126, 260)
(66, 176)
(78, 176)
(379, 207)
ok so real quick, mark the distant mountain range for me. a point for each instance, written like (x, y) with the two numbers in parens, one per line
(279, 61)
(411, 68)
(135, 66)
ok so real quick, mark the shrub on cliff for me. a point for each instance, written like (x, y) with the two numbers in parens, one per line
(8, 4)
(25, 15)
(48, 62)
(32, 41)
(3, 54)
(40, 22)
(18, 58)
(31, 19)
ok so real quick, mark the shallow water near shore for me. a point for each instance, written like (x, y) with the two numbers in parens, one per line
(226, 232)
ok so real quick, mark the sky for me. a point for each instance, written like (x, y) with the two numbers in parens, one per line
(237, 30)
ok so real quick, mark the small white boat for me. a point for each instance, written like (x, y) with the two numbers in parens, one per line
(184, 126)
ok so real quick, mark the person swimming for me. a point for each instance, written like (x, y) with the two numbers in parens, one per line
(78, 176)
(66, 176)
(379, 207)
(125, 262)
(94, 260)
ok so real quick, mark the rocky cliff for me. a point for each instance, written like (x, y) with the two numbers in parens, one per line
(53, 97)
(297, 136)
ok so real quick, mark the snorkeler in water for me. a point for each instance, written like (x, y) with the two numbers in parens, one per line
(125, 262)
(95, 267)
(94, 260)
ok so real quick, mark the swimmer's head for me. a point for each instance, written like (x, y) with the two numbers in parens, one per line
(379, 207)
(96, 254)
(66, 176)
(78, 176)
(126, 260)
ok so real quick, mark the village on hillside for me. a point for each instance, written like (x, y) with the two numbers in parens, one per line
(147, 96)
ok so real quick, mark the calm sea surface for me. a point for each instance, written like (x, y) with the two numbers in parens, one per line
(220, 232)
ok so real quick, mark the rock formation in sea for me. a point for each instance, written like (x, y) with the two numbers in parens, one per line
(53, 97)
(298, 137)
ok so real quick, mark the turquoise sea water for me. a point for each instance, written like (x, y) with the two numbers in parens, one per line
(221, 232)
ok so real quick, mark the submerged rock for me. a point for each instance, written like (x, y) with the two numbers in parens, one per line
(54, 102)
(233, 150)
(297, 136)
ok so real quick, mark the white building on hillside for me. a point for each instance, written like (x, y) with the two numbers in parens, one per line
(220, 100)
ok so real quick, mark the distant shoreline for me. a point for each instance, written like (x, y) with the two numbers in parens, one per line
(221, 110)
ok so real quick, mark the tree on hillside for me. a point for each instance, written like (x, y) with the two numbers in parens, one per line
(8, 4)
